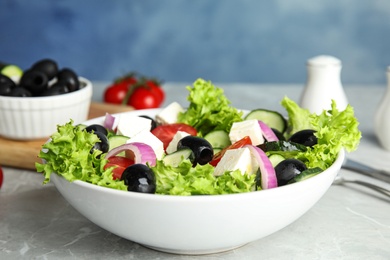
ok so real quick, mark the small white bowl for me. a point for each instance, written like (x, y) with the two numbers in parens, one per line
(195, 224)
(27, 118)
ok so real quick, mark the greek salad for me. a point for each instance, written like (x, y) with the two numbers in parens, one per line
(206, 148)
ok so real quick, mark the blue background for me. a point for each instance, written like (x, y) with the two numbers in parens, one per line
(253, 41)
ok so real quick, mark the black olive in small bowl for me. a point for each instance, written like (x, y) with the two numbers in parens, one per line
(69, 78)
(202, 149)
(48, 66)
(6, 85)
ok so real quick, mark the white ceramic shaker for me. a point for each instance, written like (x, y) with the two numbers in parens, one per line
(323, 84)
(382, 117)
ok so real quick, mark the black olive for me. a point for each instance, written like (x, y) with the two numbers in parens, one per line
(202, 149)
(139, 178)
(47, 66)
(6, 85)
(96, 128)
(35, 81)
(69, 77)
(103, 145)
(305, 137)
(154, 123)
(278, 134)
(20, 92)
(286, 170)
(57, 88)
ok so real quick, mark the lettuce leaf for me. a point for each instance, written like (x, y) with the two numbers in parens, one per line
(209, 109)
(297, 117)
(335, 130)
(186, 180)
(67, 154)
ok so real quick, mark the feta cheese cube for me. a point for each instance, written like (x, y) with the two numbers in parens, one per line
(169, 114)
(130, 125)
(237, 159)
(172, 147)
(148, 138)
(249, 128)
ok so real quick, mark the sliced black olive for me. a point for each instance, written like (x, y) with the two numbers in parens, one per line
(286, 170)
(103, 145)
(35, 81)
(96, 128)
(202, 149)
(139, 178)
(305, 137)
(69, 77)
(47, 66)
(57, 88)
(20, 92)
(6, 85)
(154, 123)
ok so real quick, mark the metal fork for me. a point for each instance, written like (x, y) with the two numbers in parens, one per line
(340, 181)
(366, 170)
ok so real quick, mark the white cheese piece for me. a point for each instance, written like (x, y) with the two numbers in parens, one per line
(249, 128)
(130, 125)
(172, 147)
(148, 138)
(237, 159)
(169, 114)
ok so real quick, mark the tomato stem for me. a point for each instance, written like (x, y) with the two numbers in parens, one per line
(141, 83)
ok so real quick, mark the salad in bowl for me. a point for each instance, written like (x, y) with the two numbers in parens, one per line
(208, 148)
(199, 179)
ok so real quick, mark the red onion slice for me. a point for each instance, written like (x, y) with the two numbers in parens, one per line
(268, 134)
(109, 122)
(267, 171)
(139, 152)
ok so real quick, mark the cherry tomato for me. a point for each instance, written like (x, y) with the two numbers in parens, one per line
(143, 98)
(1, 177)
(133, 90)
(157, 90)
(120, 163)
(166, 132)
(240, 143)
(116, 92)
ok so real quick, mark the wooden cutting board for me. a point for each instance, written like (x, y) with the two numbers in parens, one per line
(23, 154)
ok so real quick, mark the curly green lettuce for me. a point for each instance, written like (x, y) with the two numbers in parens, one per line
(335, 130)
(68, 154)
(209, 109)
(199, 180)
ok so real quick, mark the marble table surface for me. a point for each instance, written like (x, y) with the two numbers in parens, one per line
(349, 222)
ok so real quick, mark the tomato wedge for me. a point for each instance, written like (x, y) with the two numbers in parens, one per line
(166, 132)
(240, 143)
(120, 163)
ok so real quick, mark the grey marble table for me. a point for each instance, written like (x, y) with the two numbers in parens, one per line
(349, 222)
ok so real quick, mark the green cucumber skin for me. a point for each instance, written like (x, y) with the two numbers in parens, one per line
(272, 118)
(218, 139)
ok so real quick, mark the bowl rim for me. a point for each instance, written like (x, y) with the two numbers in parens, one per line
(207, 198)
(85, 85)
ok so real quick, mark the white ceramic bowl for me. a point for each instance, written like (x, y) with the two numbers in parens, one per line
(195, 224)
(26, 118)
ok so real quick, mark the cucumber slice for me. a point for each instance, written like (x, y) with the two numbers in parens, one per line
(276, 159)
(175, 158)
(117, 140)
(306, 174)
(272, 118)
(218, 139)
